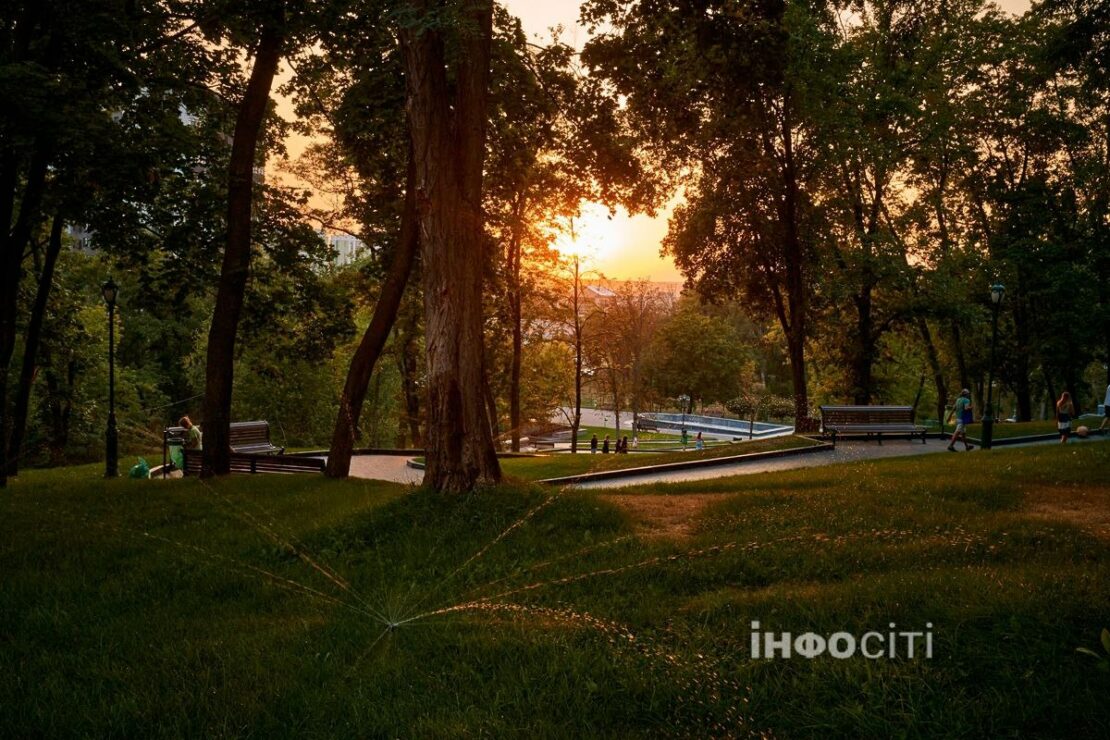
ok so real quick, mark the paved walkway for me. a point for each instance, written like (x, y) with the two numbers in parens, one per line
(393, 468)
(385, 467)
(846, 451)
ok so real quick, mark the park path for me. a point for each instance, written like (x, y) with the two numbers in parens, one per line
(385, 467)
(393, 468)
(846, 451)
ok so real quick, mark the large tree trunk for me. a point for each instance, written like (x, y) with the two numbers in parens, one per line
(31, 347)
(374, 339)
(796, 349)
(797, 293)
(448, 135)
(13, 243)
(220, 369)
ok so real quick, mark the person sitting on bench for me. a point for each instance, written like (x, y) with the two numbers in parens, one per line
(193, 436)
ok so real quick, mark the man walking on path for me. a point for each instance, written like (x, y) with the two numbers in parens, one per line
(593, 445)
(962, 411)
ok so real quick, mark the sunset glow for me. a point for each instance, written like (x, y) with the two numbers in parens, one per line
(595, 234)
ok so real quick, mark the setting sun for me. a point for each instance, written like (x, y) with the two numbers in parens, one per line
(595, 234)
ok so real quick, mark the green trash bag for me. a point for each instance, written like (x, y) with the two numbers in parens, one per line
(177, 457)
(140, 470)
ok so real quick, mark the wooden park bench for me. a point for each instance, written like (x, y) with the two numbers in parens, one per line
(248, 437)
(871, 421)
(252, 436)
(254, 462)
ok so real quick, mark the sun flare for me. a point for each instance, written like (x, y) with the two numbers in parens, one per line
(594, 234)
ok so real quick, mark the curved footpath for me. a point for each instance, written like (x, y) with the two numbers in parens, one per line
(393, 467)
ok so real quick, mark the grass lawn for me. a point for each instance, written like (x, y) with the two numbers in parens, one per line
(167, 609)
(558, 465)
(1004, 430)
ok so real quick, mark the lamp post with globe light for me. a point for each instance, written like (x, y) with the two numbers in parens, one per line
(998, 290)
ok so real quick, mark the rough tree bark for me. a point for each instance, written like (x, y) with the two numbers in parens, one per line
(31, 346)
(374, 339)
(448, 124)
(13, 242)
(220, 369)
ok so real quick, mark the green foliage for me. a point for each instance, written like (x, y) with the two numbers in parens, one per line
(695, 354)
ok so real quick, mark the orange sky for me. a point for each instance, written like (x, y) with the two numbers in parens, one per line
(623, 247)
(627, 247)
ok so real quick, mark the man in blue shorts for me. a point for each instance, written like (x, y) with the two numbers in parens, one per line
(962, 411)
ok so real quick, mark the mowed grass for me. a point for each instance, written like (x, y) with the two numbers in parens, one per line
(144, 609)
(564, 464)
(1006, 430)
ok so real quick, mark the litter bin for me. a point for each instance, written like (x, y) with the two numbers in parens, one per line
(177, 453)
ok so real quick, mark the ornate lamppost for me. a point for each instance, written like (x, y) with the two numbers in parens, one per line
(998, 290)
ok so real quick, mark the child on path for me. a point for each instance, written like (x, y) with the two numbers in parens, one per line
(1065, 409)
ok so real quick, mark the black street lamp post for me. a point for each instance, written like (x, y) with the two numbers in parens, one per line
(111, 438)
(997, 292)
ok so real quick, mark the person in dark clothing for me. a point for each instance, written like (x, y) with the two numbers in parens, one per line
(593, 445)
(605, 446)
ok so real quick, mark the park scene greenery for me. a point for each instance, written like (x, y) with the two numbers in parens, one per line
(169, 614)
(381, 233)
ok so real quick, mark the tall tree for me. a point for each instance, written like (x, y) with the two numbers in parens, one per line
(709, 87)
(446, 51)
(253, 106)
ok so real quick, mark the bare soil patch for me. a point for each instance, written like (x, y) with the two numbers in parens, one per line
(1087, 507)
(671, 517)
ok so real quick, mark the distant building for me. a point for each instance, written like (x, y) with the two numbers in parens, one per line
(348, 248)
(80, 238)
